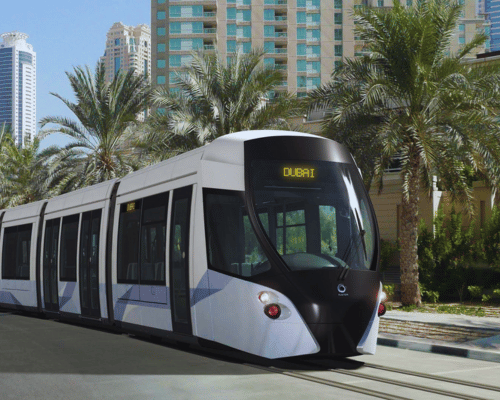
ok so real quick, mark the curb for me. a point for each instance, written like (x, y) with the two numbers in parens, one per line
(483, 355)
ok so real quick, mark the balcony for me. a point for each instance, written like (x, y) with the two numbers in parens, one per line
(282, 67)
(209, 30)
(280, 18)
(208, 47)
(209, 14)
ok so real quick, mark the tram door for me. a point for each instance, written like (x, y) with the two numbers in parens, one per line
(179, 260)
(50, 249)
(89, 264)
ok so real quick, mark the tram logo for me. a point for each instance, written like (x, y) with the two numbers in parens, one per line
(341, 289)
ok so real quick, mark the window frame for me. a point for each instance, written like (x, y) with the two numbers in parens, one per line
(142, 204)
(8, 230)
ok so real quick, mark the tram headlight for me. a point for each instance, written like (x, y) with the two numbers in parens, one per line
(267, 297)
(383, 297)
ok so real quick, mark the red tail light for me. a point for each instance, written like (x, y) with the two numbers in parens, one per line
(273, 311)
(381, 309)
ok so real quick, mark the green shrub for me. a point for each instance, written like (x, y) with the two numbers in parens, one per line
(475, 291)
(446, 255)
(497, 292)
(486, 298)
(388, 250)
(389, 290)
(490, 239)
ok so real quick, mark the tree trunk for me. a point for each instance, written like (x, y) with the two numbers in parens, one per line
(410, 293)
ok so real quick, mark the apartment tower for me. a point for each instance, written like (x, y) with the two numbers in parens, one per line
(18, 86)
(127, 47)
(306, 39)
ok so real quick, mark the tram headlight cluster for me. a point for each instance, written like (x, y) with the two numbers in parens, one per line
(272, 309)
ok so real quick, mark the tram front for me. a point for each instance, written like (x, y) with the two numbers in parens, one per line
(311, 214)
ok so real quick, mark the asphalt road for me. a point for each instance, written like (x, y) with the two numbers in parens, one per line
(46, 359)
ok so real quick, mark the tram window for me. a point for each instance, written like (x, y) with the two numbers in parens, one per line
(142, 241)
(232, 246)
(69, 241)
(16, 252)
(128, 242)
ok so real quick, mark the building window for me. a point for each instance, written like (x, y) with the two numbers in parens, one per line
(301, 17)
(118, 62)
(337, 18)
(313, 34)
(314, 19)
(231, 13)
(117, 42)
(269, 15)
(161, 47)
(269, 31)
(409, 3)
(161, 31)
(244, 15)
(160, 80)
(337, 3)
(231, 46)
(231, 29)
(161, 15)
(301, 49)
(461, 40)
(161, 1)
(338, 34)
(380, 3)
(269, 47)
(161, 63)
(313, 51)
(313, 67)
(338, 50)
(301, 81)
(247, 47)
(301, 33)
(244, 32)
(461, 27)
(301, 65)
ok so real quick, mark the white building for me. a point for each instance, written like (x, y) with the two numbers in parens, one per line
(18, 86)
(127, 47)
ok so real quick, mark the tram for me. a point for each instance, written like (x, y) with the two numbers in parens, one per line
(263, 241)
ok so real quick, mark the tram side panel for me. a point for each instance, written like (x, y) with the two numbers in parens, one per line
(18, 238)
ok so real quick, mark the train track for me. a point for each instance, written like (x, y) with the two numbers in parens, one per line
(490, 391)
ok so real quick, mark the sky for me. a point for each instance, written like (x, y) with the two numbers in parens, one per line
(66, 34)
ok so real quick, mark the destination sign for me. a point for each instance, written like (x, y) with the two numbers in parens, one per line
(299, 173)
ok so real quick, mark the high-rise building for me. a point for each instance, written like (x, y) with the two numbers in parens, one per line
(127, 47)
(18, 86)
(306, 39)
(492, 10)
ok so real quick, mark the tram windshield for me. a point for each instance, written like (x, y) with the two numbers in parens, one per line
(315, 214)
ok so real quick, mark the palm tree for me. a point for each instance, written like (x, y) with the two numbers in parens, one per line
(101, 136)
(410, 100)
(24, 174)
(215, 99)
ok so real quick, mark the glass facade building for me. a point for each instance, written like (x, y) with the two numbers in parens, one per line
(18, 86)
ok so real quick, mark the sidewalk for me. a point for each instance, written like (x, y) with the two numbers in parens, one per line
(458, 335)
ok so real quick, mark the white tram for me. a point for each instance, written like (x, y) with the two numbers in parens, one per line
(264, 241)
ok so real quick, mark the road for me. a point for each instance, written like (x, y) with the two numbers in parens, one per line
(46, 359)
